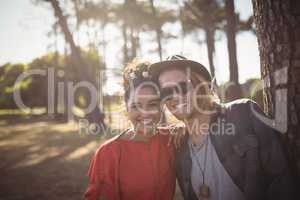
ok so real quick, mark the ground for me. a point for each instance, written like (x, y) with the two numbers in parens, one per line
(45, 160)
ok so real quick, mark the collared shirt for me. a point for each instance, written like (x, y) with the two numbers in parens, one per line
(216, 177)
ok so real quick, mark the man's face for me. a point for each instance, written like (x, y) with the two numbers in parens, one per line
(177, 93)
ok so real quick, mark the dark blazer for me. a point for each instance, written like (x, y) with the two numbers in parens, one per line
(253, 156)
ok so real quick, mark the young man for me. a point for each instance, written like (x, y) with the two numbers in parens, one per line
(228, 154)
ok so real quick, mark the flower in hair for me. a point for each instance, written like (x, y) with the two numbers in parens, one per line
(145, 74)
(132, 75)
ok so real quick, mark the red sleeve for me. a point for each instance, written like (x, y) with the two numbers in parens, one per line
(103, 174)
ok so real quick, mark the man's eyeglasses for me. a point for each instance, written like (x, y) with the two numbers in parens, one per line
(181, 88)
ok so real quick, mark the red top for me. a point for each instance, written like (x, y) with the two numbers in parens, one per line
(133, 170)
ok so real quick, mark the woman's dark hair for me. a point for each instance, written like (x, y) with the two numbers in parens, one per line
(136, 74)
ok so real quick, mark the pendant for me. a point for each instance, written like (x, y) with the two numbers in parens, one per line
(204, 191)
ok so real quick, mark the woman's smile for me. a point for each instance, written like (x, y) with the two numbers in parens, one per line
(144, 109)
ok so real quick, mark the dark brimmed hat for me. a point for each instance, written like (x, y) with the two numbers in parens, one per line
(180, 62)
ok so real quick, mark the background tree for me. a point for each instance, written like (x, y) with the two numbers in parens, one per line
(211, 16)
(95, 115)
(233, 89)
(231, 29)
(278, 32)
(206, 15)
(157, 30)
(96, 16)
(8, 75)
(136, 17)
(157, 17)
(130, 16)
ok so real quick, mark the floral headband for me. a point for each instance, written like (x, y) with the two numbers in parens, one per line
(141, 71)
(135, 73)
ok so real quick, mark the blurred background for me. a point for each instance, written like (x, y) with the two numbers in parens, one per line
(49, 46)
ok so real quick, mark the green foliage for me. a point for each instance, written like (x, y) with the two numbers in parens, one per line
(99, 11)
(135, 15)
(8, 76)
(200, 14)
(34, 88)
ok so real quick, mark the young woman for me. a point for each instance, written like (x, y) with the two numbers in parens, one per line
(137, 164)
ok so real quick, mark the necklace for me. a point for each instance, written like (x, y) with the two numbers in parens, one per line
(204, 191)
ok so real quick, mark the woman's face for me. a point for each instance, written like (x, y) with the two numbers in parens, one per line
(144, 109)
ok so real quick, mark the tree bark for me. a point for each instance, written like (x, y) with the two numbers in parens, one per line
(231, 29)
(278, 31)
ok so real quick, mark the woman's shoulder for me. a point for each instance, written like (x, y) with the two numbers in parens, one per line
(110, 146)
(163, 135)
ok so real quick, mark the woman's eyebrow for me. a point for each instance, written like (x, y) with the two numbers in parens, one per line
(155, 100)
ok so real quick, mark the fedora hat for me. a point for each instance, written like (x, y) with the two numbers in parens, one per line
(179, 61)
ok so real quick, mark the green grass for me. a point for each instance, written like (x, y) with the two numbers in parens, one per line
(32, 111)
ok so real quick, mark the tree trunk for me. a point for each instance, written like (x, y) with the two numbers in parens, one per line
(135, 43)
(102, 69)
(77, 61)
(209, 30)
(231, 43)
(157, 30)
(125, 46)
(76, 9)
(159, 45)
(278, 31)
(210, 44)
(56, 63)
(75, 53)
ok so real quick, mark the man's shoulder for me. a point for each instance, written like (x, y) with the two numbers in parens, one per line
(243, 103)
(110, 146)
(240, 107)
(239, 115)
